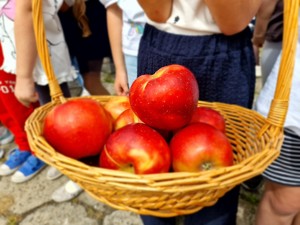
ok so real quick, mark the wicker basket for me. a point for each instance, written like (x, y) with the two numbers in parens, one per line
(256, 141)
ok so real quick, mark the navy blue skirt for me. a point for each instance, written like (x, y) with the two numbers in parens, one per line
(224, 66)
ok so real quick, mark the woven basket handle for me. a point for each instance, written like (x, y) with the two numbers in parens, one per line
(279, 105)
(43, 51)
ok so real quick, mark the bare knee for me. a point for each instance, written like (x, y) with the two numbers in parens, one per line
(283, 202)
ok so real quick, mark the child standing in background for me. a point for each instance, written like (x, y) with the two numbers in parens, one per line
(88, 48)
(125, 24)
(126, 21)
(21, 162)
(31, 83)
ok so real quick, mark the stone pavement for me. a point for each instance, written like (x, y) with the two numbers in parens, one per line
(30, 203)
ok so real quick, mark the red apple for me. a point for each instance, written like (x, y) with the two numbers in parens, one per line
(199, 147)
(167, 99)
(125, 118)
(209, 116)
(116, 105)
(136, 148)
(77, 128)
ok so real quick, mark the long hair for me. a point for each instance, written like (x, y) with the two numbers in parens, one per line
(79, 9)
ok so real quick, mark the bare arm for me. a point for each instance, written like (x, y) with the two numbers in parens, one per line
(114, 25)
(262, 19)
(26, 53)
(157, 10)
(232, 16)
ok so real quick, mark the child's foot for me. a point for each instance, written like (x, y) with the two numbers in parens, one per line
(30, 168)
(15, 160)
(66, 192)
(53, 173)
(1, 153)
(5, 136)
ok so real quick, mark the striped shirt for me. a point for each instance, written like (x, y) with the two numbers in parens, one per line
(286, 168)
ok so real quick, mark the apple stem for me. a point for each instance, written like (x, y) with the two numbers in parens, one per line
(129, 168)
(206, 166)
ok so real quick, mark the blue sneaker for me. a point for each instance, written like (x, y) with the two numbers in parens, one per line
(15, 160)
(31, 167)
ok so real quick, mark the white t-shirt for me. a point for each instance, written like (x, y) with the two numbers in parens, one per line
(58, 49)
(134, 21)
(189, 17)
(266, 95)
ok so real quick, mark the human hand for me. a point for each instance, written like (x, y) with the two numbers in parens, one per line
(25, 91)
(121, 84)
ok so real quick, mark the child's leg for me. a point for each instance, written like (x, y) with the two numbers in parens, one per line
(14, 117)
(6, 121)
(14, 114)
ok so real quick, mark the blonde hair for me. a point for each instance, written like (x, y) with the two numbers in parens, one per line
(79, 9)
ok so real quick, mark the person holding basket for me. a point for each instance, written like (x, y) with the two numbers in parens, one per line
(213, 40)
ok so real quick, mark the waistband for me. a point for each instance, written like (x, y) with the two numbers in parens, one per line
(196, 45)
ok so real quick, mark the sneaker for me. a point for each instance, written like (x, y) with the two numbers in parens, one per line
(53, 173)
(15, 160)
(31, 167)
(1, 153)
(253, 184)
(9, 151)
(85, 92)
(6, 136)
(66, 192)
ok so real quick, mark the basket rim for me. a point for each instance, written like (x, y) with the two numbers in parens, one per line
(243, 165)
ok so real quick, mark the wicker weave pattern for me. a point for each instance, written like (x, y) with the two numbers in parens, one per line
(256, 141)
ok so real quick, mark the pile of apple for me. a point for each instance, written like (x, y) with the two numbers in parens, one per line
(158, 128)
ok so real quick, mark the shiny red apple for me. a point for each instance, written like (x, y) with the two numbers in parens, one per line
(209, 116)
(125, 118)
(136, 148)
(199, 147)
(116, 105)
(167, 99)
(77, 128)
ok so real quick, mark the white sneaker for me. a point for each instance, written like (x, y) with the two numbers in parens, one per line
(66, 192)
(85, 92)
(53, 173)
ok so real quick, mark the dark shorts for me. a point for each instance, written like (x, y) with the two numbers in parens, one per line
(44, 92)
(90, 49)
(224, 66)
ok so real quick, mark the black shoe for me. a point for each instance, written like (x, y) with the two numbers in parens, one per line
(253, 184)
